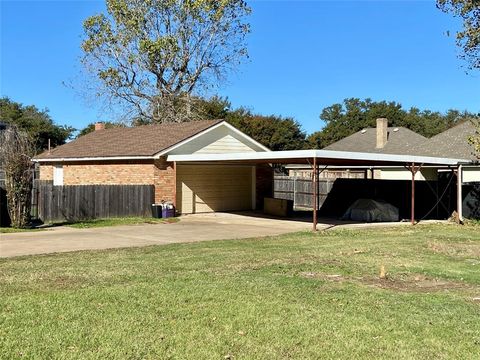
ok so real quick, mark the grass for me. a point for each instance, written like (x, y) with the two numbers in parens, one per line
(119, 221)
(7, 230)
(85, 224)
(302, 296)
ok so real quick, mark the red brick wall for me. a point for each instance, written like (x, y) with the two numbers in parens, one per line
(46, 172)
(108, 174)
(165, 181)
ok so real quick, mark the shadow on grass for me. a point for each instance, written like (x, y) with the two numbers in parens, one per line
(90, 223)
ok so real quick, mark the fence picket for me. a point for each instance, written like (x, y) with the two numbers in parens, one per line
(77, 202)
(300, 190)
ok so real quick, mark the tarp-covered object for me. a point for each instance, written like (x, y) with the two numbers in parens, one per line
(370, 210)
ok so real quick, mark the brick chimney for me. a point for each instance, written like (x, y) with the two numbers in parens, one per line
(99, 126)
(382, 132)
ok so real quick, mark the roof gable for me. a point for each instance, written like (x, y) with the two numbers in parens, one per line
(222, 138)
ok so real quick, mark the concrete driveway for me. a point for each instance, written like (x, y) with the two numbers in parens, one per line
(191, 228)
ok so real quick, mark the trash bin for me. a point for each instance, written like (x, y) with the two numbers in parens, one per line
(157, 210)
(168, 210)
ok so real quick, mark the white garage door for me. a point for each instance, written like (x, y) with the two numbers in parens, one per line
(208, 188)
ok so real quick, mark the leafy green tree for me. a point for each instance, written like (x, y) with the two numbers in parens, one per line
(342, 120)
(150, 56)
(275, 132)
(91, 127)
(468, 39)
(215, 107)
(36, 123)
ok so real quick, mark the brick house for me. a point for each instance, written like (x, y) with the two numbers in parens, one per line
(398, 140)
(138, 156)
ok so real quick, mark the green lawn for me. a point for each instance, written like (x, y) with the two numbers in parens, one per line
(302, 296)
(96, 223)
(120, 221)
(7, 230)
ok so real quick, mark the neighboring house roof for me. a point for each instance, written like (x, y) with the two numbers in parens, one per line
(450, 143)
(140, 141)
(400, 141)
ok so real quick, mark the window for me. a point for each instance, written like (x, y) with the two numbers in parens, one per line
(58, 175)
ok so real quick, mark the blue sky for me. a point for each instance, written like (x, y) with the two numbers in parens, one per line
(304, 56)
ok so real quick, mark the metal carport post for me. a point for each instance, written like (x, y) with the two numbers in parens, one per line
(413, 169)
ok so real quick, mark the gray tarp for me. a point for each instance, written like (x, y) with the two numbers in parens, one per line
(369, 210)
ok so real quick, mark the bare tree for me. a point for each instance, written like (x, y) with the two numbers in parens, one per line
(16, 150)
(149, 56)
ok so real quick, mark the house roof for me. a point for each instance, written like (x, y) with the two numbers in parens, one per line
(400, 141)
(140, 141)
(450, 143)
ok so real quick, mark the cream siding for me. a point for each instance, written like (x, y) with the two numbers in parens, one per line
(217, 141)
(209, 188)
(404, 174)
(227, 144)
(471, 174)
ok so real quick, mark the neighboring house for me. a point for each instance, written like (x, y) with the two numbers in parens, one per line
(454, 143)
(137, 156)
(380, 140)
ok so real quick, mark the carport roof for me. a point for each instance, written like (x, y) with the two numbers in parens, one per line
(324, 157)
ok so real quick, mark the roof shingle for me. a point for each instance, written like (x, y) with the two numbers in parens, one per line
(400, 141)
(133, 141)
(451, 143)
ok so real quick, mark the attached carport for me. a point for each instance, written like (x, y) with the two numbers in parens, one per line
(233, 188)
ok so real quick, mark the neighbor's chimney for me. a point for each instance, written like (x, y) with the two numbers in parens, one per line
(99, 126)
(382, 132)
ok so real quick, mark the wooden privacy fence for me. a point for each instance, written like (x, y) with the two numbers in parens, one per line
(77, 202)
(300, 190)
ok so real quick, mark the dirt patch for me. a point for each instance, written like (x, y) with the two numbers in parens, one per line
(410, 283)
(415, 283)
(467, 249)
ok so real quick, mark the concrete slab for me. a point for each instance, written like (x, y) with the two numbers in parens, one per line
(191, 228)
